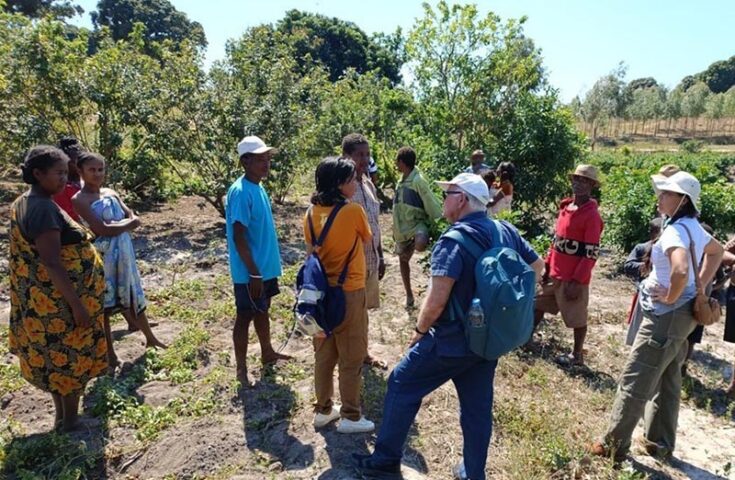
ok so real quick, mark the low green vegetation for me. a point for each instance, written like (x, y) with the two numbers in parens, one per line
(628, 203)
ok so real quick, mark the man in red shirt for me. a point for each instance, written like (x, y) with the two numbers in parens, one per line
(572, 257)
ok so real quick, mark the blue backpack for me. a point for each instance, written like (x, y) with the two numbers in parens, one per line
(506, 287)
(315, 298)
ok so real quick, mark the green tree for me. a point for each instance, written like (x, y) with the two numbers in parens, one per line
(539, 137)
(694, 102)
(161, 19)
(465, 69)
(339, 45)
(647, 104)
(479, 82)
(720, 76)
(606, 99)
(41, 8)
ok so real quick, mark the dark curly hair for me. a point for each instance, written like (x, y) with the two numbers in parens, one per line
(41, 157)
(330, 174)
(351, 141)
(506, 171)
(407, 155)
(84, 157)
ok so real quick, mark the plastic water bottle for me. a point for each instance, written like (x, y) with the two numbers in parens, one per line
(306, 324)
(476, 316)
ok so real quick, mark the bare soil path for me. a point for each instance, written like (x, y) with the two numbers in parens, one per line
(194, 422)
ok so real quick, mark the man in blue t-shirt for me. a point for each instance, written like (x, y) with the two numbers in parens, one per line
(438, 351)
(255, 261)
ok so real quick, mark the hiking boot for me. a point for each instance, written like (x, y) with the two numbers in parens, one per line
(459, 472)
(599, 449)
(367, 466)
(323, 419)
(351, 426)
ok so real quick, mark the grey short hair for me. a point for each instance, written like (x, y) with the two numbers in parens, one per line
(475, 204)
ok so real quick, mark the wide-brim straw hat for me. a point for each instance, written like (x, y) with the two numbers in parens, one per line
(586, 171)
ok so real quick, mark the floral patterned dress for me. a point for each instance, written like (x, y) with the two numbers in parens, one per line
(55, 355)
(123, 289)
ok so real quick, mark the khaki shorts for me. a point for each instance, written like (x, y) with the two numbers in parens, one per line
(405, 250)
(552, 300)
(372, 290)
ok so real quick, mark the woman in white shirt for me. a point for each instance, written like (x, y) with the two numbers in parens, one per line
(650, 386)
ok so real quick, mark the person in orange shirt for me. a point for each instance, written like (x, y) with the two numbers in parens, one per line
(346, 347)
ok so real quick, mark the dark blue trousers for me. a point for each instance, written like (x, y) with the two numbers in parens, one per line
(421, 372)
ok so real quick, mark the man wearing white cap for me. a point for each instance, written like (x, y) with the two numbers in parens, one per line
(438, 351)
(255, 260)
(684, 258)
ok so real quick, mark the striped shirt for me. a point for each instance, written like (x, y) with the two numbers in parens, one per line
(367, 197)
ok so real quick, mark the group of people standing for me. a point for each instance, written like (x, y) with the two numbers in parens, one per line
(65, 284)
(66, 279)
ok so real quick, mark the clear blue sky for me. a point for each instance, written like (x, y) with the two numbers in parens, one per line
(581, 40)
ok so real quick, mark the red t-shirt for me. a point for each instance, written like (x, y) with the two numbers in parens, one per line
(63, 199)
(576, 244)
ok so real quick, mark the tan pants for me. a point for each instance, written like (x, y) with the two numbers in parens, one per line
(346, 348)
(372, 290)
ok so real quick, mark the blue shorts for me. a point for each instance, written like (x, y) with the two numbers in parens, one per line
(245, 304)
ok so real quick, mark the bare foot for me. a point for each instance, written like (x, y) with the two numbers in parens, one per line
(375, 362)
(155, 343)
(112, 364)
(274, 357)
(244, 378)
(570, 360)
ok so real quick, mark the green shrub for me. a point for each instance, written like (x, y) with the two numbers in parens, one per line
(628, 203)
(692, 146)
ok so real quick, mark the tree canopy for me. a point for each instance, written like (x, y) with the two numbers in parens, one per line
(40, 8)
(339, 45)
(161, 19)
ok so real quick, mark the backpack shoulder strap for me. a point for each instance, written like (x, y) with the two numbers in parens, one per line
(343, 274)
(323, 235)
(693, 255)
(465, 240)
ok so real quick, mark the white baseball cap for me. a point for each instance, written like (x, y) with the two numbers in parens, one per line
(680, 182)
(470, 184)
(253, 144)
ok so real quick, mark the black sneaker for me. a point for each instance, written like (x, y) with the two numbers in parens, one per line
(368, 467)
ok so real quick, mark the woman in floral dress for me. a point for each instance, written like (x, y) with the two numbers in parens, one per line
(56, 289)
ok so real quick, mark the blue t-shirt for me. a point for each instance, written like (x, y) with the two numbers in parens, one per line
(249, 204)
(449, 259)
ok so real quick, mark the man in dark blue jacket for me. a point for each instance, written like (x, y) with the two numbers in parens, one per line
(438, 351)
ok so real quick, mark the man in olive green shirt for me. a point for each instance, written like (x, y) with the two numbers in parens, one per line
(414, 207)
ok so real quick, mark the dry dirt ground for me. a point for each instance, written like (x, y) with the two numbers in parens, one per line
(544, 414)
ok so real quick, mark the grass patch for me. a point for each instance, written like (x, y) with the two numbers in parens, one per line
(10, 377)
(46, 456)
(179, 361)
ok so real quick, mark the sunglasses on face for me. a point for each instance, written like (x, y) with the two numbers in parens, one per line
(446, 194)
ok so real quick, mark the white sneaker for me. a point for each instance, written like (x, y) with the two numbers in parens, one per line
(459, 472)
(360, 426)
(323, 419)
